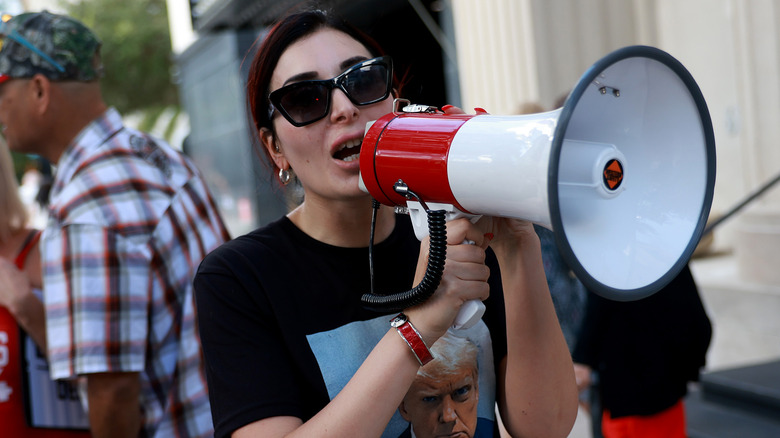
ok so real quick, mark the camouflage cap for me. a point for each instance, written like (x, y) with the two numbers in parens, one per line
(65, 40)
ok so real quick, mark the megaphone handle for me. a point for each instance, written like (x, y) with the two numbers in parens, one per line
(470, 313)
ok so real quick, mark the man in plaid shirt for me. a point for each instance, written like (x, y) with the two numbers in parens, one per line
(130, 220)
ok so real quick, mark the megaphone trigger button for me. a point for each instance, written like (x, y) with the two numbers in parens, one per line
(417, 108)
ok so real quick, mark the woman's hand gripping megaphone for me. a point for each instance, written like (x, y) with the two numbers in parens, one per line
(463, 286)
(505, 236)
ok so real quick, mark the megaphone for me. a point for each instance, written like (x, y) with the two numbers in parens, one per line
(623, 173)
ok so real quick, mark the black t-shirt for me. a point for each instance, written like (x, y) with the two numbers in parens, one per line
(273, 302)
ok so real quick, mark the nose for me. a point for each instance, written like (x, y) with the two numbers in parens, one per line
(448, 414)
(341, 108)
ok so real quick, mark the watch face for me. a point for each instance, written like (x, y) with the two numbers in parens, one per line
(398, 321)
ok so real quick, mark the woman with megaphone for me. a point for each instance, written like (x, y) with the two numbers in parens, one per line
(290, 350)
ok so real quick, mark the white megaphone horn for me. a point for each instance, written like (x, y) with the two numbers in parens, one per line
(623, 173)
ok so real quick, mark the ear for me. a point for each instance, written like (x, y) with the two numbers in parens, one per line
(404, 413)
(40, 89)
(268, 139)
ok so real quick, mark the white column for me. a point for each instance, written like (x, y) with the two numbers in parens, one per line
(180, 24)
(496, 54)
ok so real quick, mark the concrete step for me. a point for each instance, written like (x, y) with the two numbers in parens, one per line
(756, 387)
(706, 419)
(737, 402)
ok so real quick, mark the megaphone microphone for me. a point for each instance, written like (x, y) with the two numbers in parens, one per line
(623, 173)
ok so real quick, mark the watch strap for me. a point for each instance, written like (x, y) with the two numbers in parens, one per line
(412, 338)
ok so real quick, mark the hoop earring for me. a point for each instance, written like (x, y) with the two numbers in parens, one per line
(285, 176)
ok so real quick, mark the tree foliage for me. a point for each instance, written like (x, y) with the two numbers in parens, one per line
(136, 51)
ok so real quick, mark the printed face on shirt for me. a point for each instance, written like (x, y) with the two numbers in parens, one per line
(442, 403)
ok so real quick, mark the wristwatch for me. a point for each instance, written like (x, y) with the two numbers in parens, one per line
(412, 337)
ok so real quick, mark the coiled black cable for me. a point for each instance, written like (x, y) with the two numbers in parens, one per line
(437, 228)
(374, 210)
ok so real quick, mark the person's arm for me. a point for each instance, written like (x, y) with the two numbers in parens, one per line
(366, 404)
(114, 406)
(362, 408)
(96, 320)
(537, 394)
(17, 296)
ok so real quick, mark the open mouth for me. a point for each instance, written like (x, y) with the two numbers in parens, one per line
(349, 151)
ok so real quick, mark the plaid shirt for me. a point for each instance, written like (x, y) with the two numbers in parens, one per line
(129, 222)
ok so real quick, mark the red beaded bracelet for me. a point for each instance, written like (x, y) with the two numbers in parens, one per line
(412, 337)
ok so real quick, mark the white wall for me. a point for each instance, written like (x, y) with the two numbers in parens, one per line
(180, 25)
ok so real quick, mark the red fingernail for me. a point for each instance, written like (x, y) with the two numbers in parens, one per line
(446, 107)
(489, 236)
(480, 111)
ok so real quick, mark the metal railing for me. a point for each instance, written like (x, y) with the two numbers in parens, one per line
(739, 206)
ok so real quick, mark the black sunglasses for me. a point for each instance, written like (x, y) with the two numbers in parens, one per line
(306, 102)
